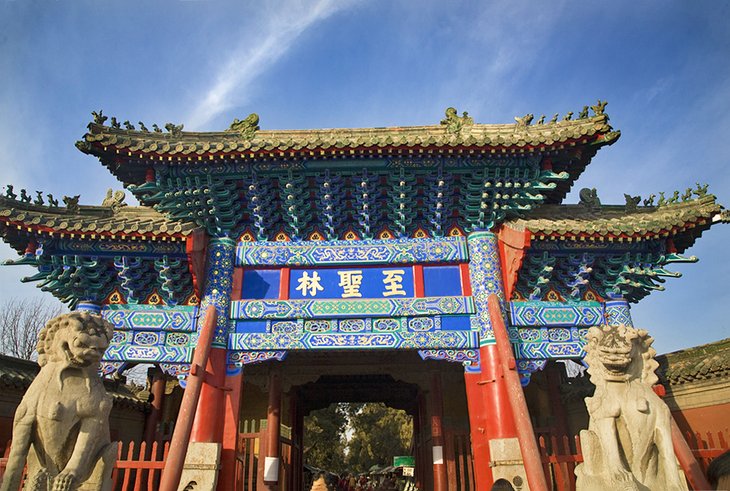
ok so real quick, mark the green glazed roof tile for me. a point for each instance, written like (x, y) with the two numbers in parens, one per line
(695, 364)
(184, 143)
(143, 222)
(612, 221)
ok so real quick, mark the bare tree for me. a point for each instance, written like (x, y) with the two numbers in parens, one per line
(20, 322)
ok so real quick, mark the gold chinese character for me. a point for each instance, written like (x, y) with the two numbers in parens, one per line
(350, 282)
(393, 282)
(309, 285)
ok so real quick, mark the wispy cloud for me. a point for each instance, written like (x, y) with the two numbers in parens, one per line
(286, 23)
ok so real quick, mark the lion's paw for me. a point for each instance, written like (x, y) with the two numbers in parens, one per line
(624, 479)
(65, 481)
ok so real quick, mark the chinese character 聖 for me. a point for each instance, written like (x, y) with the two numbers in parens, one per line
(309, 284)
(393, 282)
(350, 282)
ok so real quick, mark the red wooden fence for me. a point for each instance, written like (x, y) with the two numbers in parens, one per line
(459, 446)
(137, 469)
(708, 448)
(560, 455)
(247, 460)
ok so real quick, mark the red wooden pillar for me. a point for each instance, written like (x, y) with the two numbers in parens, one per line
(273, 426)
(490, 414)
(516, 397)
(208, 424)
(437, 434)
(232, 405)
(181, 436)
(157, 386)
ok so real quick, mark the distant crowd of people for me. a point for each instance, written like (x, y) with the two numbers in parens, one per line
(363, 482)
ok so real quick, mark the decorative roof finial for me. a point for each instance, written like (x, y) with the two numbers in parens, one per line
(99, 117)
(701, 190)
(24, 196)
(175, 130)
(584, 113)
(524, 121)
(72, 203)
(115, 200)
(247, 127)
(599, 108)
(9, 192)
(454, 123)
(589, 198)
(631, 202)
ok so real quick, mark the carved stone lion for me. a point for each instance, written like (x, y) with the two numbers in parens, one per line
(628, 444)
(64, 415)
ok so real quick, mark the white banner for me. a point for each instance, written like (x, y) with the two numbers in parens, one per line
(438, 454)
(271, 469)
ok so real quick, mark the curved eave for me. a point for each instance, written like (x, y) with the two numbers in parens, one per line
(19, 220)
(687, 234)
(681, 222)
(128, 153)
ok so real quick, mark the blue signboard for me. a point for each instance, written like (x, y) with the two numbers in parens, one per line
(394, 282)
(260, 284)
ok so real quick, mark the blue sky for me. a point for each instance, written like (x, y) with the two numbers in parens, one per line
(664, 67)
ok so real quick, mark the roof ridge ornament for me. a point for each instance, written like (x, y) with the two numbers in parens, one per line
(72, 203)
(454, 123)
(99, 117)
(525, 120)
(247, 127)
(699, 192)
(631, 202)
(600, 107)
(26, 198)
(175, 130)
(114, 200)
(589, 199)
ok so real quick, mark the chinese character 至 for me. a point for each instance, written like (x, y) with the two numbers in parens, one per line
(350, 282)
(393, 282)
(309, 284)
